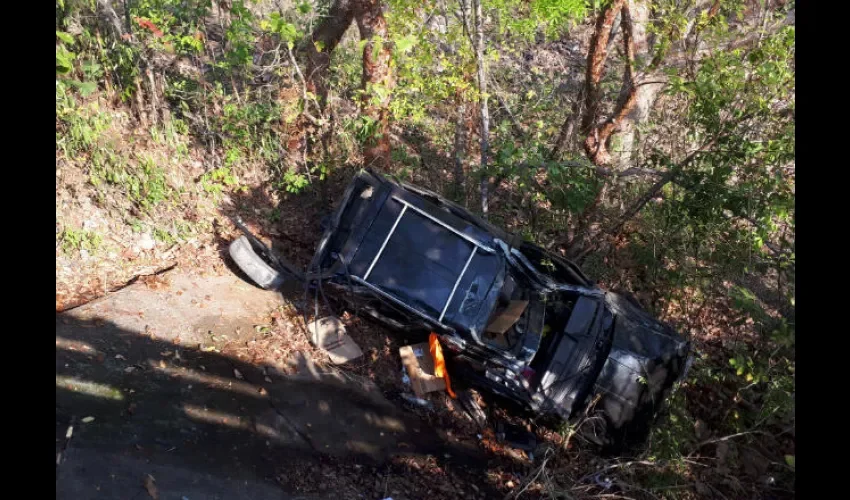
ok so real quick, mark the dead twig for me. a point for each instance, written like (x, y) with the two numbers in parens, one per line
(725, 438)
(619, 466)
(156, 272)
(540, 470)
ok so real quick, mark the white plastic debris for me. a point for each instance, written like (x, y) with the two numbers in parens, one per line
(604, 482)
(417, 401)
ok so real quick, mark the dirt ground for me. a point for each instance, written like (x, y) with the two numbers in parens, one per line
(186, 376)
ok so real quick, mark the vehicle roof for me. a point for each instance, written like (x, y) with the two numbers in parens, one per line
(446, 267)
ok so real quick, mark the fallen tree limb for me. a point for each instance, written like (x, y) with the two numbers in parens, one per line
(87, 300)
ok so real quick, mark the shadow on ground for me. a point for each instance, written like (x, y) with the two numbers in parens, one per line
(200, 422)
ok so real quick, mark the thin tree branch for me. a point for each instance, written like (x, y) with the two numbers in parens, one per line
(665, 179)
(518, 129)
(304, 94)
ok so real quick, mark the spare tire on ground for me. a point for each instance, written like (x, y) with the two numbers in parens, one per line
(251, 262)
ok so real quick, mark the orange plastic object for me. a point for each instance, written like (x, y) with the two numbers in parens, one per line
(439, 362)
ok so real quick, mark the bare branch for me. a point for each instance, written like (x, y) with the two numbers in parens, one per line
(604, 171)
(653, 191)
(106, 11)
(519, 131)
(304, 94)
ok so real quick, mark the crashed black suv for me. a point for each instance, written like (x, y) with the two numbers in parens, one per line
(513, 318)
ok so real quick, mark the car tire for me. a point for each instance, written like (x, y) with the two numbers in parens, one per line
(252, 264)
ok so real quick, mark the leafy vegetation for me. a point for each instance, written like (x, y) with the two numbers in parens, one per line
(73, 240)
(651, 140)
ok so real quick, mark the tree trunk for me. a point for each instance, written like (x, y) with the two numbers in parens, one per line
(322, 43)
(318, 48)
(627, 140)
(482, 99)
(153, 101)
(596, 55)
(139, 96)
(377, 78)
(598, 135)
(460, 151)
(110, 17)
(465, 14)
(567, 132)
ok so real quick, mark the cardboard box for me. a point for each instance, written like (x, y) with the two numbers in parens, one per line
(419, 365)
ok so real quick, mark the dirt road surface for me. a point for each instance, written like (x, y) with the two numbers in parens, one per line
(148, 407)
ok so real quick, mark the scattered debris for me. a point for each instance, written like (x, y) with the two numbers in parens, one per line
(471, 406)
(516, 436)
(329, 335)
(417, 401)
(146, 242)
(150, 486)
(60, 455)
(505, 319)
(603, 481)
(420, 369)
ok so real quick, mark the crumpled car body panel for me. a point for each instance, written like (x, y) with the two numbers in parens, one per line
(414, 260)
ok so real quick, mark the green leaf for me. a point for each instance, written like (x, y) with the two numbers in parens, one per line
(791, 460)
(84, 88)
(64, 60)
(403, 45)
(65, 37)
